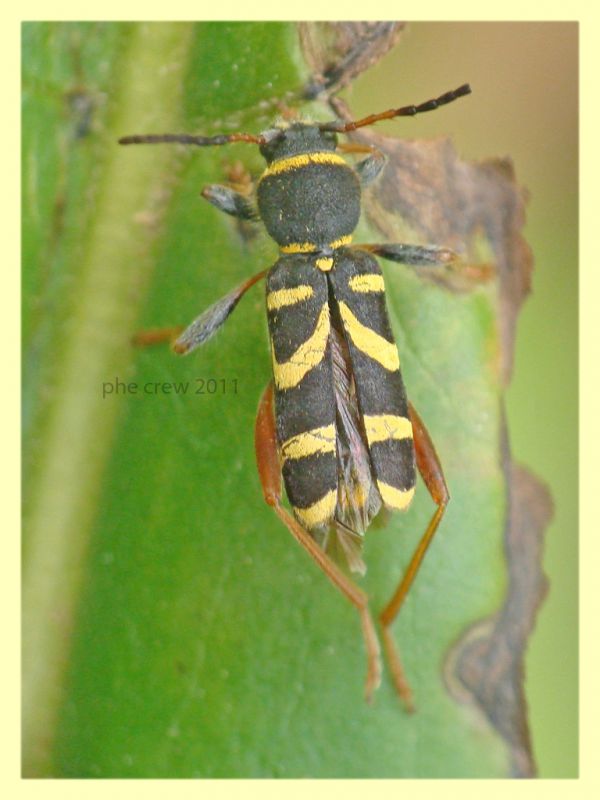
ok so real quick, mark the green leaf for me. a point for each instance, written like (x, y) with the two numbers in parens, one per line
(172, 627)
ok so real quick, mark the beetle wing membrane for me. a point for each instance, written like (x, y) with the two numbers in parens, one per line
(358, 498)
(343, 545)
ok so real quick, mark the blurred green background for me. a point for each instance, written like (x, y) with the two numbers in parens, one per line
(524, 105)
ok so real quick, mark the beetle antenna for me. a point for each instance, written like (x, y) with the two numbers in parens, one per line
(186, 138)
(404, 111)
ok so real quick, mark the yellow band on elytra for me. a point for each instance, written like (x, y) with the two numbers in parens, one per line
(318, 513)
(382, 427)
(289, 373)
(369, 342)
(288, 297)
(399, 499)
(317, 440)
(367, 283)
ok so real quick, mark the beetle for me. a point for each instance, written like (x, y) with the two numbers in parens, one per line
(335, 420)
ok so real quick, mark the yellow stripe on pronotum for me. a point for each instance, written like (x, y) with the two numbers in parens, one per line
(381, 427)
(341, 242)
(310, 247)
(317, 440)
(369, 342)
(302, 160)
(289, 373)
(288, 297)
(318, 513)
(298, 247)
(395, 498)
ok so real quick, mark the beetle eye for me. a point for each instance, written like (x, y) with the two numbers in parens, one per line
(329, 136)
(271, 139)
(270, 135)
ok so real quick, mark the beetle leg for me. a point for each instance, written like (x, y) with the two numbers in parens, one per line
(269, 470)
(156, 336)
(203, 327)
(209, 322)
(412, 255)
(230, 201)
(369, 169)
(430, 468)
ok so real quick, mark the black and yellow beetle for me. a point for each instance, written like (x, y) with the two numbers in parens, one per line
(335, 420)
